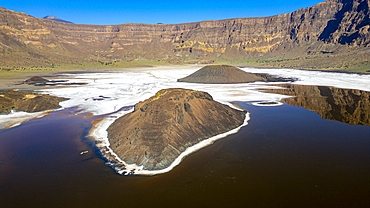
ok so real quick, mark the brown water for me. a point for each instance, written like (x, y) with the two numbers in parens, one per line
(286, 157)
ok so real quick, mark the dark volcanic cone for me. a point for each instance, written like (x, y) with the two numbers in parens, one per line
(163, 126)
(39, 81)
(221, 74)
(36, 80)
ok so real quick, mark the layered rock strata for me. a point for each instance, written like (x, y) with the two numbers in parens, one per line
(319, 32)
(163, 126)
(27, 101)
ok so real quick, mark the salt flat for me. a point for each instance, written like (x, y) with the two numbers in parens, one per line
(107, 92)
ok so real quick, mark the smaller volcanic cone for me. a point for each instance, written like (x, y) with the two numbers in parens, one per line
(221, 74)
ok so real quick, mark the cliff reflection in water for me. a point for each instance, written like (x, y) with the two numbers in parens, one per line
(344, 105)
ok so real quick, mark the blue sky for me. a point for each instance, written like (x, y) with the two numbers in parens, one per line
(168, 12)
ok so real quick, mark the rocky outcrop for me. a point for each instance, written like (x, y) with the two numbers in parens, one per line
(330, 28)
(163, 126)
(344, 105)
(225, 74)
(27, 101)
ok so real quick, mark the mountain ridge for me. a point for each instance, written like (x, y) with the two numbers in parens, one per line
(50, 17)
(330, 35)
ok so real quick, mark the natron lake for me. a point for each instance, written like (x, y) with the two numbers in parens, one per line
(313, 151)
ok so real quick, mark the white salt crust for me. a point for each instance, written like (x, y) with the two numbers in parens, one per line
(108, 92)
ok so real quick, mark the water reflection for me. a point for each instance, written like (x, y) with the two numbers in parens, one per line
(344, 105)
(285, 157)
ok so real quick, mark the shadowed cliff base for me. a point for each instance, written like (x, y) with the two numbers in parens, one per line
(224, 74)
(165, 125)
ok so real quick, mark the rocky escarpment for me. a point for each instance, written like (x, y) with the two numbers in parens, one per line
(225, 74)
(331, 34)
(163, 126)
(27, 101)
(344, 105)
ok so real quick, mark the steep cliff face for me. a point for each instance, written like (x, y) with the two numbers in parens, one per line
(351, 24)
(338, 22)
(163, 126)
(344, 105)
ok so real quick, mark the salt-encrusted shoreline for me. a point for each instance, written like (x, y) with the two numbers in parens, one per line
(17, 118)
(267, 103)
(100, 134)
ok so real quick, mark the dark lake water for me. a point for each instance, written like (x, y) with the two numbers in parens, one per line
(286, 156)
